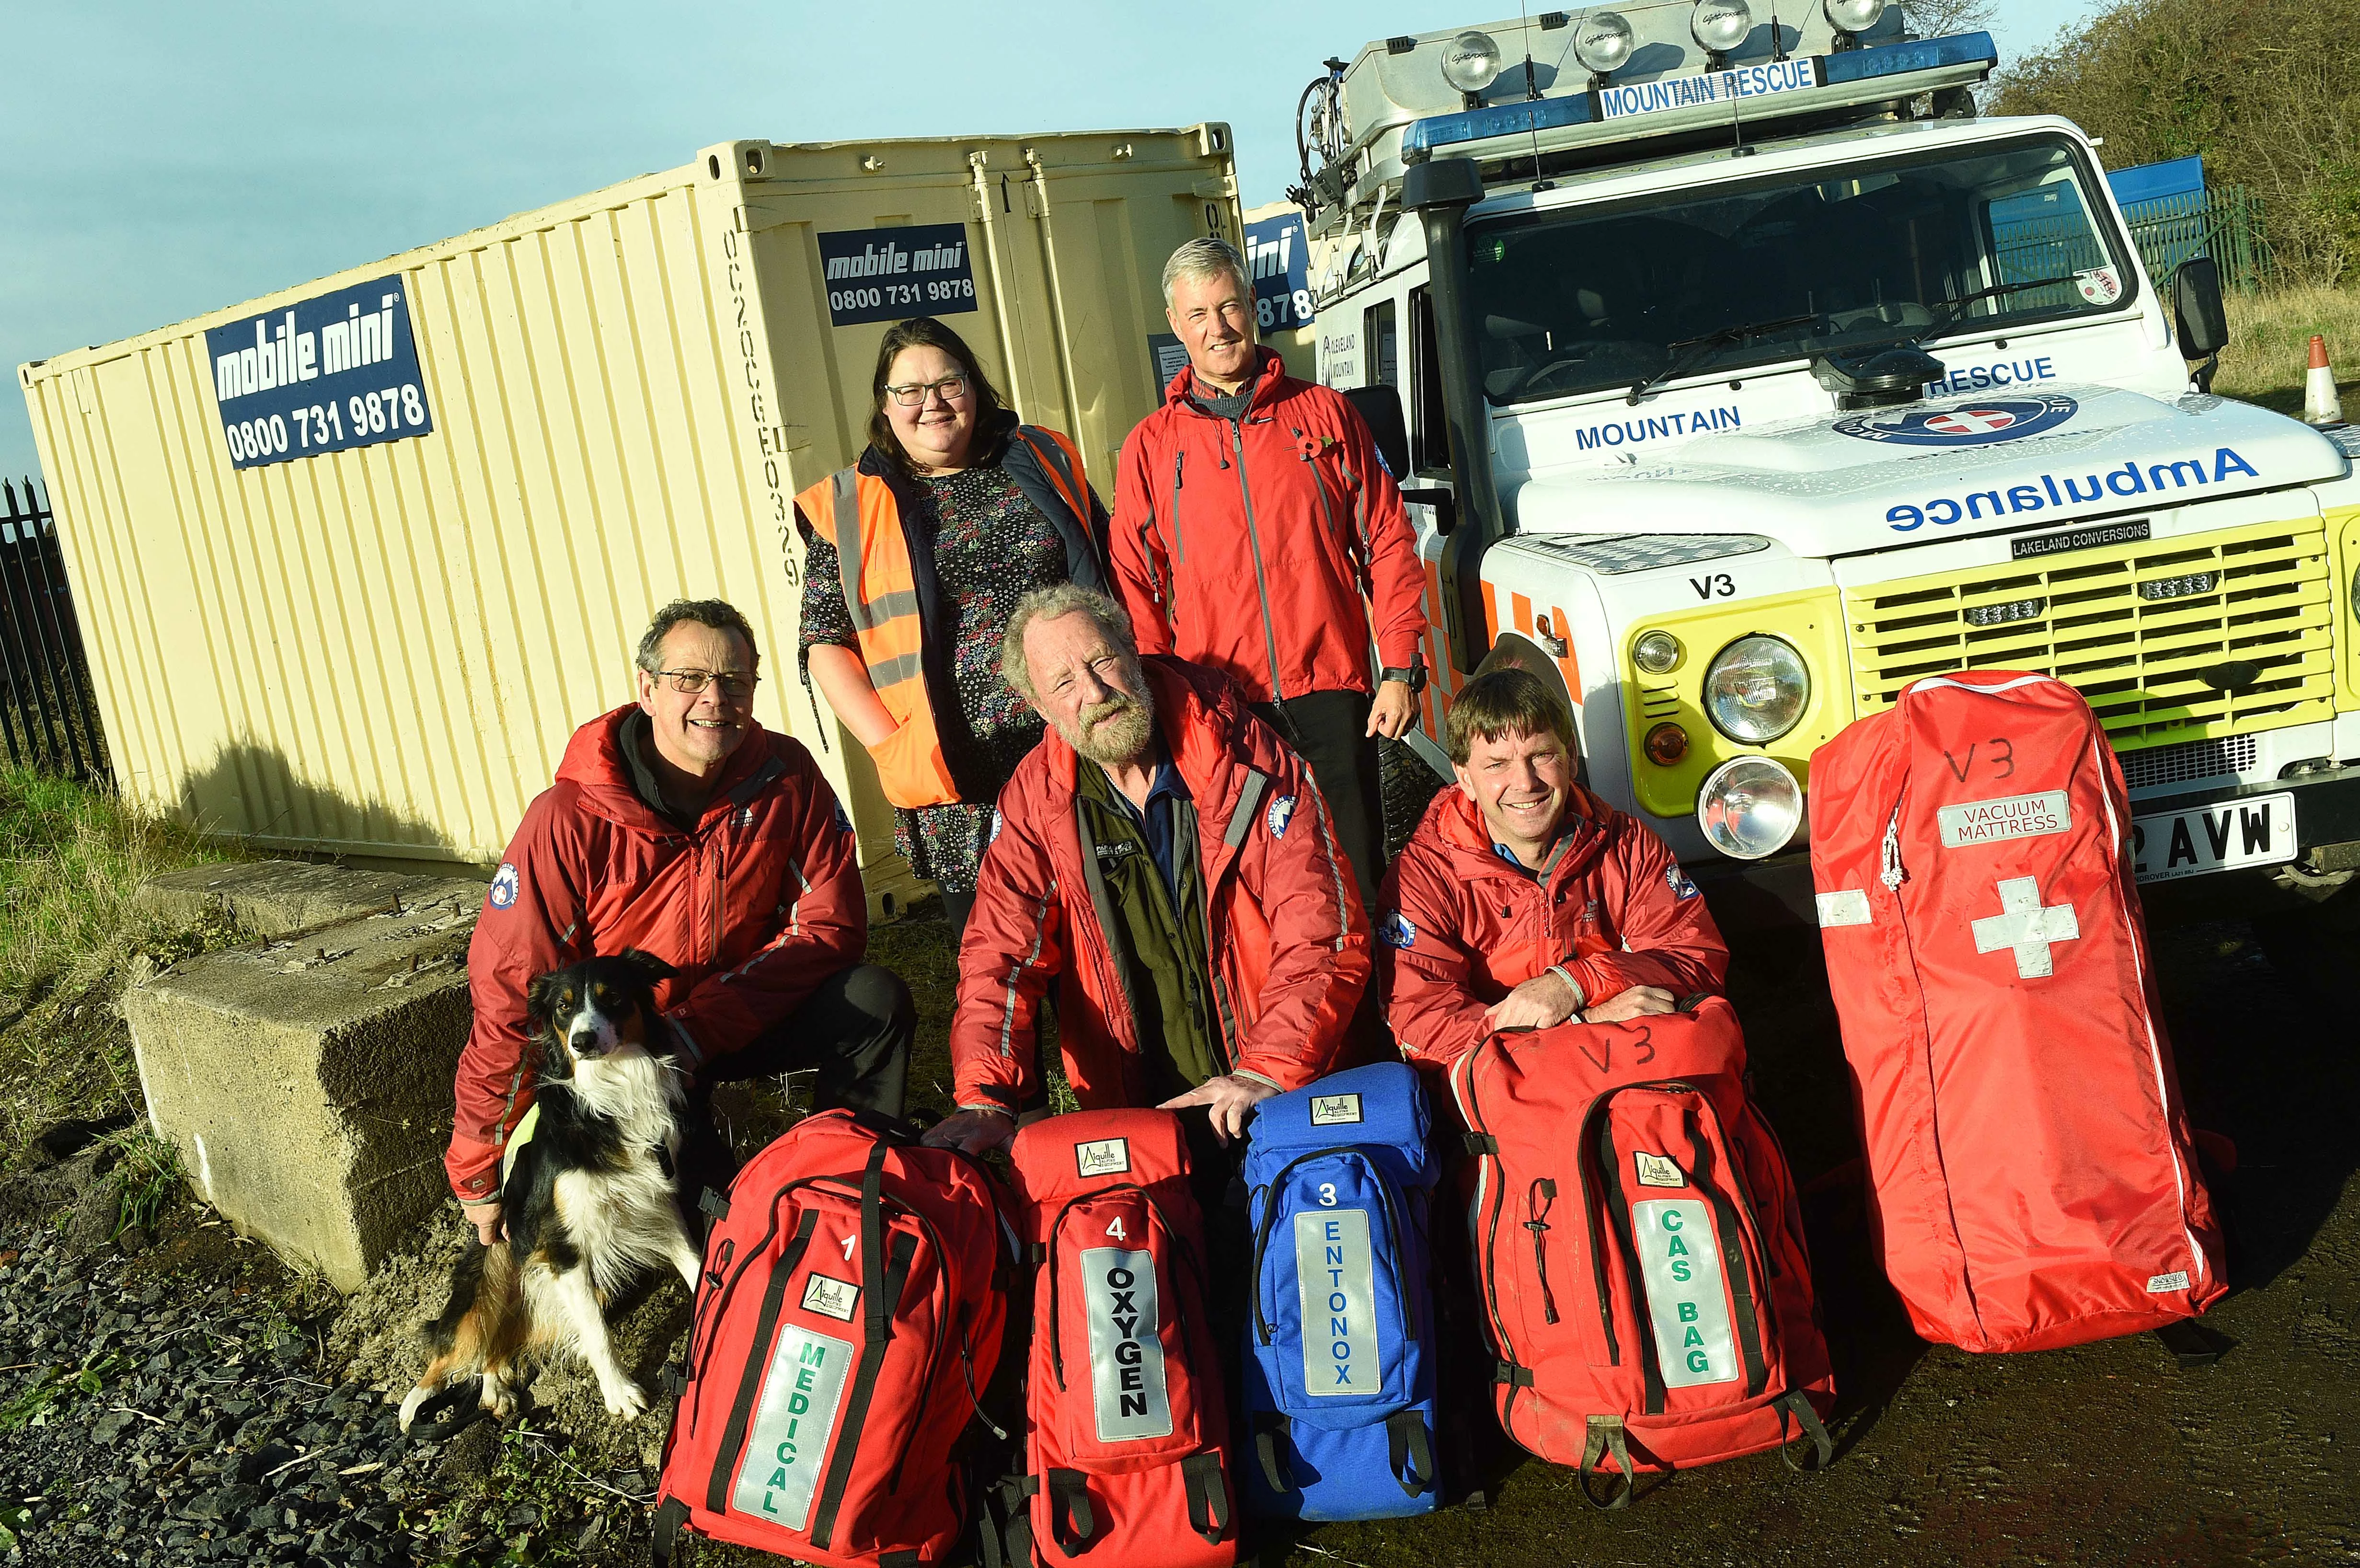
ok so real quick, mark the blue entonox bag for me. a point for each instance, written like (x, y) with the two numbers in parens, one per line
(1340, 1348)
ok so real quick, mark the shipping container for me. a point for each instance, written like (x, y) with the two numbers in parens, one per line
(353, 560)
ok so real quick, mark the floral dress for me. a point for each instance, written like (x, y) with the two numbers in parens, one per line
(991, 548)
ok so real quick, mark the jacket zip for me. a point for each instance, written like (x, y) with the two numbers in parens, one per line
(1253, 543)
(1179, 544)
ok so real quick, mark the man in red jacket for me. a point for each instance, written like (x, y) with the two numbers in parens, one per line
(680, 825)
(1166, 860)
(1255, 528)
(1524, 902)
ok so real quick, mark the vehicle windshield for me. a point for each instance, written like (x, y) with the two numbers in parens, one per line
(1570, 302)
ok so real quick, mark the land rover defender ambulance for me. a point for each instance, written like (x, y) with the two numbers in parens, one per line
(1738, 374)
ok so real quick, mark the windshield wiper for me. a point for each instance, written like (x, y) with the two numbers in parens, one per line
(1690, 352)
(1949, 311)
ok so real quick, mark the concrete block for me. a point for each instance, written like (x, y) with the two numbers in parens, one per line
(276, 898)
(307, 1082)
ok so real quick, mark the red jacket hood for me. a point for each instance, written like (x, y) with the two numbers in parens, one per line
(1270, 378)
(596, 766)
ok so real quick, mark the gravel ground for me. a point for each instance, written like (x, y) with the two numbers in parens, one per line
(178, 1398)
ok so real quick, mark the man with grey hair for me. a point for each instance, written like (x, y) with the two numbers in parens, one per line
(1257, 532)
(1164, 859)
(680, 826)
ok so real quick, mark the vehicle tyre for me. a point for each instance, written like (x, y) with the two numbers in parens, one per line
(1408, 785)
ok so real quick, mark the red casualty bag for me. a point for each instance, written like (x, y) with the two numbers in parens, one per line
(1639, 1248)
(852, 1300)
(1126, 1433)
(2031, 1178)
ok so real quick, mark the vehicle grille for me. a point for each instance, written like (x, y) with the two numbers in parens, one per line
(2141, 659)
(2190, 760)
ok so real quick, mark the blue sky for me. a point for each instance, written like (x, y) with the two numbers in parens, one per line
(160, 160)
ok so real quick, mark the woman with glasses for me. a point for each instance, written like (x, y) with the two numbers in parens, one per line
(914, 559)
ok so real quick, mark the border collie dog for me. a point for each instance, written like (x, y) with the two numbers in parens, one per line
(588, 1204)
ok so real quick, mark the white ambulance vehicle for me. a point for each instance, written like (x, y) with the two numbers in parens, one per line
(1739, 374)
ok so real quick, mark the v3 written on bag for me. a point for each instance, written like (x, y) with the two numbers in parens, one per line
(2031, 1177)
(1340, 1353)
(852, 1302)
(1126, 1440)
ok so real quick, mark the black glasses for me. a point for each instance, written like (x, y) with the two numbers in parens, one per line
(913, 395)
(689, 683)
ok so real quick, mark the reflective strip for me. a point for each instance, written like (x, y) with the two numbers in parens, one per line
(792, 1427)
(1847, 907)
(895, 671)
(1040, 934)
(1334, 1282)
(847, 546)
(1242, 819)
(1335, 866)
(889, 607)
(1127, 1395)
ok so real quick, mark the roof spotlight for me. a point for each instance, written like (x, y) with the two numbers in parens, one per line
(1470, 62)
(1720, 25)
(1602, 41)
(1853, 15)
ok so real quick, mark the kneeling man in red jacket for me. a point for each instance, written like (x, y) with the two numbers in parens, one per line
(680, 825)
(1169, 862)
(1524, 902)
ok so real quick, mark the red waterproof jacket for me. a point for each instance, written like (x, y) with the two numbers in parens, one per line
(1459, 926)
(1289, 940)
(755, 908)
(1259, 551)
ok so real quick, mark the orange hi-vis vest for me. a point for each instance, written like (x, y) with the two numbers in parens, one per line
(889, 584)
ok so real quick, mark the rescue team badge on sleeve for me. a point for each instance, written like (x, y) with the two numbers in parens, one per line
(505, 885)
(843, 822)
(1677, 880)
(1281, 813)
(1330, 1109)
(1394, 930)
(1105, 1157)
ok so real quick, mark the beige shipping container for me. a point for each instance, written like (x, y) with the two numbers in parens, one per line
(380, 651)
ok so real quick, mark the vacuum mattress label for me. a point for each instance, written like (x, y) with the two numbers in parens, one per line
(788, 1444)
(1994, 821)
(1335, 1276)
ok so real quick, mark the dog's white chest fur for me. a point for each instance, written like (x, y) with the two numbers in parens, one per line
(625, 1219)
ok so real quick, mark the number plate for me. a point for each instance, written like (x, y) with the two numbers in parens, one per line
(2256, 830)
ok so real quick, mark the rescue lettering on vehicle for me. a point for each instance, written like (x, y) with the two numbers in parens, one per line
(1687, 1304)
(1128, 1394)
(1336, 1289)
(2016, 817)
(788, 1443)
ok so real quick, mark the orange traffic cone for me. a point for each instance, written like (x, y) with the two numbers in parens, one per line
(2320, 405)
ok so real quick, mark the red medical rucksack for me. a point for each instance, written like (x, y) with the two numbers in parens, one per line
(1126, 1429)
(1639, 1248)
(852, 1303)
(2031, 1178)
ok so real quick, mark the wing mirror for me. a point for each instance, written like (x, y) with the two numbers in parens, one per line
(2200, 318)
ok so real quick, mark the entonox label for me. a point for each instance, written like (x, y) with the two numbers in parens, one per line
(1335, 1278)
(1994, 821)
(1126, 1387)
(787, 1447)
(1687, 1302)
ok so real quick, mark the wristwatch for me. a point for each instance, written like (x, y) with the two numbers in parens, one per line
(1414, 677)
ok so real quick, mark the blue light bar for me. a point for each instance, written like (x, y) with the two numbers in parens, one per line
(1893, 59)
(1439, 131)
(1495, 120)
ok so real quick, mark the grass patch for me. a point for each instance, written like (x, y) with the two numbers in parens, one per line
(2269, 346)
(146, 1174)
(72, 860)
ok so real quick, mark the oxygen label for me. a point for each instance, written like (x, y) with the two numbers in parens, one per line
(788, 1443)
(1686, 1300)
(1126, 1387)
(1335, 1279)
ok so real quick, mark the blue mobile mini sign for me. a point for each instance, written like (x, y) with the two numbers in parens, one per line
(1278, 254)
(320, 375)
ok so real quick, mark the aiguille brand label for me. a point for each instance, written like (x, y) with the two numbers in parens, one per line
(1103, 1156)
(1995, 821)
(1333, 1110)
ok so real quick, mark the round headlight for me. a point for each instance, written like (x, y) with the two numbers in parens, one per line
(1755, 690)
(1750, 806)
(1602, 41)
(1853, 15)
(1470, 62)
(1720, 25)
(1657, 653)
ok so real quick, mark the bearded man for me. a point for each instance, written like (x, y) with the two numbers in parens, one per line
(1167, 861)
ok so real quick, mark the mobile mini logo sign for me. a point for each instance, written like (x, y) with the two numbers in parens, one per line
(320, 375)
(1970, 424)
(889, 275)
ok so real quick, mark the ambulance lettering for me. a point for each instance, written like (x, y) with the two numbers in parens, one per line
(1128, 1393)
(792, 1424)
(1334, 1282)
(1688, 1298)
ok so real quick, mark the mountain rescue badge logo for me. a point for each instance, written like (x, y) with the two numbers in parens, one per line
(506, 884)
(1396, 929)
(1983, 424)
(1281, 813)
